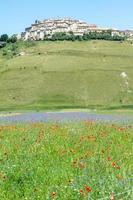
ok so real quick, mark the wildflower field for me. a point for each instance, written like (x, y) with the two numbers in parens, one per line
(66, 161)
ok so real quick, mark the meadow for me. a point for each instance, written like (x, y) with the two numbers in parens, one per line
(66, 161)
(66, 75)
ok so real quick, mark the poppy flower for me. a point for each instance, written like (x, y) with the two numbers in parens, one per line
(81, 191)
(113, 164)
(87, 188)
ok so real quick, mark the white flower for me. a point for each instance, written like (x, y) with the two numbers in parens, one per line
(124, 75)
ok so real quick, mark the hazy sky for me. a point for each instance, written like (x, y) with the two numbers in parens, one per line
(16, 15)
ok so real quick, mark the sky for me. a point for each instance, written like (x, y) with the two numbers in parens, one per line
(16, 15)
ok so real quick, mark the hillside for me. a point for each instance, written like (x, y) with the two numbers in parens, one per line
(55, 75)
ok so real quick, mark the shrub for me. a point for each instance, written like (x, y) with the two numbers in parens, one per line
(30, 43)
(104, 35)
(12, 39)
(4, 38)
(4, 52)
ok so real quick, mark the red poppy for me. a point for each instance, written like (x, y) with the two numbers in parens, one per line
(113, 164)
(81, 191)
(88, 189)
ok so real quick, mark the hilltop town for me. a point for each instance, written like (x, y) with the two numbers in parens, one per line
(48, 27)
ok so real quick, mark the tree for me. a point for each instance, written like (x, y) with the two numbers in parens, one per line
(102, 35)
(12, 39)
(79, 37)
(4, 38)
(59, 36)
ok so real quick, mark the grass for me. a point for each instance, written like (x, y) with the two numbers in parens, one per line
(65, 161)
(66, 75)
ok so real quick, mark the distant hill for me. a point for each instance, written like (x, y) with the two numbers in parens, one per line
(55, 75)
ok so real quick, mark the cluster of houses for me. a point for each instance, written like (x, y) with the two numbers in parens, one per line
(49, 27)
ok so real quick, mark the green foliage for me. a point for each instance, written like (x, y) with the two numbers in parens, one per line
(12, 39)
(117, 38)
(59, 36)
(11, 50)
(104, 35)
(5, 52)
(4, 37)
(13, 47)
(29, 43)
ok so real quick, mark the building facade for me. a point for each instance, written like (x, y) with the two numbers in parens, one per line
(48, 27)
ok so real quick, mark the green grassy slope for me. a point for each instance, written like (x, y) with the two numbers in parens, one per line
(66, 75)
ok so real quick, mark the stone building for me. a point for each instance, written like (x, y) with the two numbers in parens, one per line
(48, 27)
